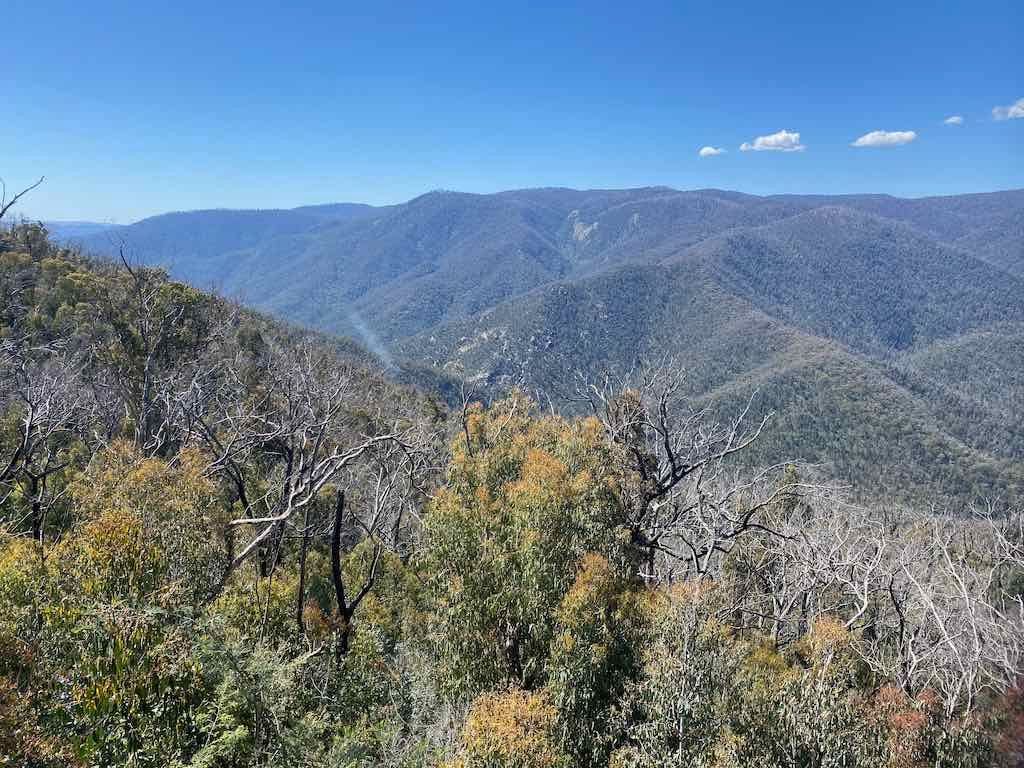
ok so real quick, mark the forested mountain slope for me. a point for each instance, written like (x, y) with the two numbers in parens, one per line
(870, 283)
(195, 243)
(447, 255)
(856, 317)
(883, 426)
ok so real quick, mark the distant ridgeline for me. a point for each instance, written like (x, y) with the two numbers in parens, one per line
(886, 334)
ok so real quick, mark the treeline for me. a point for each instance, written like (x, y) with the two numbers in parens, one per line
(224, 542)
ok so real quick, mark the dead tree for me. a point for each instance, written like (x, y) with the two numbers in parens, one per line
(684, 504)
(41, 384)
(5, 204)
(930, 597)
(346, 604)
(309, 423)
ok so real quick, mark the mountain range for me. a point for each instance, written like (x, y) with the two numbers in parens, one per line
(886, 334)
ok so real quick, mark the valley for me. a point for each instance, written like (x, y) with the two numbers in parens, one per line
(862, 322)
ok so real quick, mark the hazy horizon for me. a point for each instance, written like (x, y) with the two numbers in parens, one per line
(811, 193)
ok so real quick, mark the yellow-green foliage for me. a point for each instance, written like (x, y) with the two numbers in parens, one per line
(22, 579)
(525, 500)
(510, 729)
(147, 530)
(392, 602)
(146, 544)
(23, 584)
(257, 607)
(602, 625)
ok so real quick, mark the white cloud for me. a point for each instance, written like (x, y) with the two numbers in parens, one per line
(1012, 112)
(783, 141)
(885, 139)
(954, 120)
(710, 151)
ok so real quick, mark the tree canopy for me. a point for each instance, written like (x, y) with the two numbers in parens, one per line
(227, 542)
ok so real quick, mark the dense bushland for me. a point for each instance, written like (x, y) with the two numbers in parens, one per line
(228, 543)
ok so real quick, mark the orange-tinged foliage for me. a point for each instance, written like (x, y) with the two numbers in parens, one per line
(543, 479)
(1011, 738)
(511, 729)
(526, 607)
(827, 635)
(905, 724)
(506, 538)
(594, 587)
(828, 642)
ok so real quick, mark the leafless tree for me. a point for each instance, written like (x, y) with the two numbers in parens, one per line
(311, 422)
(930, 596)
(152, 320)
(387, 487)
(5, 204)
(685, 503)
(41, 385)
(955, 629)
(822, 557)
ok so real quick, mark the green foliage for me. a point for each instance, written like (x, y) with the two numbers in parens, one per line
(258, 712)
(125, 581)
(148, 531)
(845, 314)
(894, 426)
(602, 625)
(526, 499)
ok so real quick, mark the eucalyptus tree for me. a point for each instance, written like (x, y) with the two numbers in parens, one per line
(686, 501)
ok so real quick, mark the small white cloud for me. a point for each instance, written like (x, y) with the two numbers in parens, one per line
(710, 151)
(783, 141)
(954, 120)
(885, 139)
(1012, 112)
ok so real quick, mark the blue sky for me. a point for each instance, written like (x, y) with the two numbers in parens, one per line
(135, 108)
